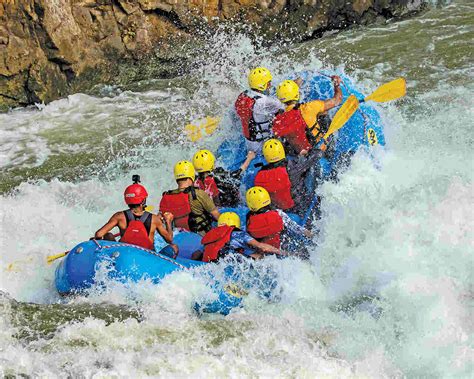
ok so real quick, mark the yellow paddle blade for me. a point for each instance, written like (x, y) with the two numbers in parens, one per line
(51, 258)
(389, 91)
(194, 132)
(149, 208)
(11, 267)
(17, 266)
(211, 124)
(207, 125)
(343, 115)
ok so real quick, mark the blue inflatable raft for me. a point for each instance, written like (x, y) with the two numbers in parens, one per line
(123, 262)
(128, 263)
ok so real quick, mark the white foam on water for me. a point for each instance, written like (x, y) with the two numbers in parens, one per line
(387, 291)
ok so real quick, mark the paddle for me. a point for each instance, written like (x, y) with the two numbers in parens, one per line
(389, 91)
(339, 120)
(51, 258)
(386, 92)
(343, 115)
(207, 125)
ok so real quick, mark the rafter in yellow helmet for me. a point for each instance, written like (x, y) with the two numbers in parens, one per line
(273, 151)
(259, 78)
(287, 91)
(257, 198)
(203, 161)
(229, 219)
(183, 170)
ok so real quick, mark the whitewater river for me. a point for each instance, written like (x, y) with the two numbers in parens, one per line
(401, 230)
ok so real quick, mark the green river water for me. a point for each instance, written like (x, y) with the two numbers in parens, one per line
(410, 218)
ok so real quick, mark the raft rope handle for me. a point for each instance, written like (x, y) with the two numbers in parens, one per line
(122, 244)
(98, 244)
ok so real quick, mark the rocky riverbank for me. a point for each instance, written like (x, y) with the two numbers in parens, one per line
(50, 48)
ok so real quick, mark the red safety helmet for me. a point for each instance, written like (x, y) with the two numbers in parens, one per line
(135, 194)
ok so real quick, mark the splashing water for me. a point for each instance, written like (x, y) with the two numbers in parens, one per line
(388, 290)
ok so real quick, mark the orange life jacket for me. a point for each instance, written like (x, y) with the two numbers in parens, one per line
(208, 185)
(292, 126)
(178, 204)
(244, 108)
(277, 182)
(265, 227)
(138, 230)
(214, 241)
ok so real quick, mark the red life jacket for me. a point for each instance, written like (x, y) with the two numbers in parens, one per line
(244, 108)
(178, 204)
(292, 126)
(265, 227)
(209, 186)
(138, 231)
(214, 241)
(277, 182)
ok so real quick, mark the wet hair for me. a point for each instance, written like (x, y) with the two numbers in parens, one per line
(133, 206)
(183, 179)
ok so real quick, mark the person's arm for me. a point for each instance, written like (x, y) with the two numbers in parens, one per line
(215, 214)
(265, 248)
(250, 156)
(164, 227)
(337, 99)
(208, 204)
(299, 81)
(292, 226)
(112, 223)
(297, 168)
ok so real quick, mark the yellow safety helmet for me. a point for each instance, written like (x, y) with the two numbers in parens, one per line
(287, 91)
(183, 170)
(257, 198)
(229, 219)
(203, 161)
(259, 78)
(273, 151)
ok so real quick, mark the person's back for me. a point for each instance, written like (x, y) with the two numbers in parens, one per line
(256, 109)
(266, 224)
(303, 124)
(227, 238)
(136, 225)
(222, 185)
(192, 208)
(274, 176)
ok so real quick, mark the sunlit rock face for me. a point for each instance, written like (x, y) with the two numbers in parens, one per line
(50, 48)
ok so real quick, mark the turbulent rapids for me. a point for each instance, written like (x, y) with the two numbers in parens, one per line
(387, 290)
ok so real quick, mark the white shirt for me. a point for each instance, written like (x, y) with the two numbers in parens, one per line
(264, 110)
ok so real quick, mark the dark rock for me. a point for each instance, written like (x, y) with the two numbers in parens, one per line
(49, 48)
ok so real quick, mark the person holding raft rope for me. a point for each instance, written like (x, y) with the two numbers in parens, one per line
(227, 238)
(222, 185)
(137, 226)
(284, 180)
(192, 208)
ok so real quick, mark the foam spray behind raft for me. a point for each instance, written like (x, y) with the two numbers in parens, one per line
(403, 229)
